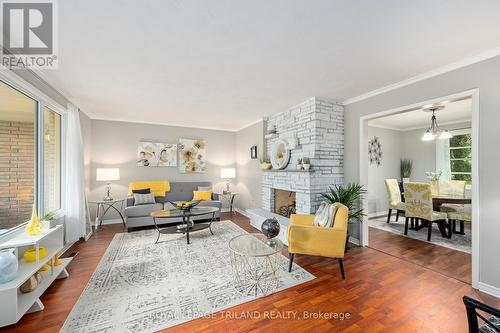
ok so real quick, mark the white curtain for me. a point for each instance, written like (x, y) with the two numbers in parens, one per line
(75, 178)
(443, 158)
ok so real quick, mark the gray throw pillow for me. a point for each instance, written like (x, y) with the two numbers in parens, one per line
(143, 199)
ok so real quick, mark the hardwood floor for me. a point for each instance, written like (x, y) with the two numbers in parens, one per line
(449, 262)
(381, 293)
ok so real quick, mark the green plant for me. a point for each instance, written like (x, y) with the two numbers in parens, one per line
(349, 195)
(406, 167)
(306, 160)
(48, 216)
(299, 161)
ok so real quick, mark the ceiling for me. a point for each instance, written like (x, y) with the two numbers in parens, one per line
(453, 113)
(226, 63)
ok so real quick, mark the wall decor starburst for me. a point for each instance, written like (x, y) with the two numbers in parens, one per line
(375, 151)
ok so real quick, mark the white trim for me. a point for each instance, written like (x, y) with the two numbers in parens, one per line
(486, 288)
(124, 120)
(363, 167)
(381, 214)
(419, 127)
(438, 71)
(250, 124)
(355, 241)
(112, 221)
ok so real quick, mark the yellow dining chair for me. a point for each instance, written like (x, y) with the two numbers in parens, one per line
(418, 202)
(306, 238)
(394, 196)
(454, 188)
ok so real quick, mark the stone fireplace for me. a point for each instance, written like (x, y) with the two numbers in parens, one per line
(317, 126)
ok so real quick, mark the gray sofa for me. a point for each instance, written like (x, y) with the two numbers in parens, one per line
(139, 216)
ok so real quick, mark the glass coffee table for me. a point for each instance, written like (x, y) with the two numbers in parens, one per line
(256, 265)
(187, 225)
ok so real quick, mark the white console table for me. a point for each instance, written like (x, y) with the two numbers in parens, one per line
(14, 304)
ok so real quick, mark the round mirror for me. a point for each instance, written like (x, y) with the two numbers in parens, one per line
(280, 155)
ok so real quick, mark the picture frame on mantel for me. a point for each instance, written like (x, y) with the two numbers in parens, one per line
(253, 152)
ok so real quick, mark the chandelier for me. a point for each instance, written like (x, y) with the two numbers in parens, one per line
(434, 130)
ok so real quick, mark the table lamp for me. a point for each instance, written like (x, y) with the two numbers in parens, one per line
(107, 175)
(227, 173)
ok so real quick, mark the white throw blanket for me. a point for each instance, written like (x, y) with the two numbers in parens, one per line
(325, 214)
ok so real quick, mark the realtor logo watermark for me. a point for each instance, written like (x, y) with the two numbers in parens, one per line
(29, 34)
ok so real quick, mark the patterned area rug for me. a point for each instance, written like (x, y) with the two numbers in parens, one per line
(457, 242)
(140, 286)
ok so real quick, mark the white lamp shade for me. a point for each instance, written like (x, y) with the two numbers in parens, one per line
(428, 136)
(227, 173)
(107, 174)
(445, 135)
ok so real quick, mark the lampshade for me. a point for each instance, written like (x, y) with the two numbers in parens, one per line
(428, 136)
(107, 174)
(445, 135)
(227, 173)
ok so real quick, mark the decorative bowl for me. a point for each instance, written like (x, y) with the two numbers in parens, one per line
(8, 265)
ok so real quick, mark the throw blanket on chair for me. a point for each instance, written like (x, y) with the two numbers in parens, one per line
(325, 214)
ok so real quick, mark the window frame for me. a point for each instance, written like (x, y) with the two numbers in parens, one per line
(461, 132)
(11, 79)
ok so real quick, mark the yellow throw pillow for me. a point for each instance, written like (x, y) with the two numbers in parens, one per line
(202, 195)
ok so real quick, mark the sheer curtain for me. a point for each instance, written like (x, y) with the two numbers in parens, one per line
(75, 201)
(443, 158)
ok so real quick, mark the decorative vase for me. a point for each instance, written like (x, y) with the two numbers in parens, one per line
(270, 228)
(34, 226)
(299, 166)
(8, 265)
(306, 166)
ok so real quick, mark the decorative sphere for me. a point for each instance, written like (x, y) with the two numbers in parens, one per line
(271, 228)
(8, 265)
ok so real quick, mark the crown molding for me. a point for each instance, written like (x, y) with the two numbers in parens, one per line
(250, 124)
(427, 75)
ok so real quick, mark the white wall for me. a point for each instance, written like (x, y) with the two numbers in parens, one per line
(484, 76)
(249, 174)
(390, 141)
(114, 144)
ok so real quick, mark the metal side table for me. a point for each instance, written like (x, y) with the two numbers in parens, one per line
(104, 205)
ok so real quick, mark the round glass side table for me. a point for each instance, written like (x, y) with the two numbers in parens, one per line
(256, 265)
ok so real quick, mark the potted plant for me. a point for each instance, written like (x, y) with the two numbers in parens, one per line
(48, 220)
(299, 164)
(406, 166)
(306, 163)
(349, 195)
(265, 163)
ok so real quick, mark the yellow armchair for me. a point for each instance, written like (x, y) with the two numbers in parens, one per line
(306, 238)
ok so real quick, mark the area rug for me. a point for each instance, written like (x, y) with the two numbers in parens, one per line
(140, 286)
(457, 242)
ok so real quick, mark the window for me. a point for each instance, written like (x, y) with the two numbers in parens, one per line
(18, 165)
(461, 157)
(51, 160)
(30, 157)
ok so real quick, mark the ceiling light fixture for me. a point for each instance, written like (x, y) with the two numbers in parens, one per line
(434, 130)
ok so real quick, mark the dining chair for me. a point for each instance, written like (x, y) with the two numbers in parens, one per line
(452, 188)
(482, 317)
(418, 204)
(462, 217)
(394, 195)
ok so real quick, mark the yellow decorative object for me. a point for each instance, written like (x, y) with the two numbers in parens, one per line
(34, 226)
(202, 195)
(30, 255)
(57, 262)
(158, 188)
(44, 268)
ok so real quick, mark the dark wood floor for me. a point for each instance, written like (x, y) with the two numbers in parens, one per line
(381, 293)
(452, 263)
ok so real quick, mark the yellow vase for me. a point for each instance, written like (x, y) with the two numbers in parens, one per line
(34, 226)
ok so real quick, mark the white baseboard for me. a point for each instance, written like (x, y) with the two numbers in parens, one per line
(486, 288)
(112, 221)
(379, 214)
(242, 212)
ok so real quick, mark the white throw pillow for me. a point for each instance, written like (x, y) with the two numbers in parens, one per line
(325, 215)
(144, 199)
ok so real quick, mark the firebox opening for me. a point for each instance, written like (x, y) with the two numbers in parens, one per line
(284, 202)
